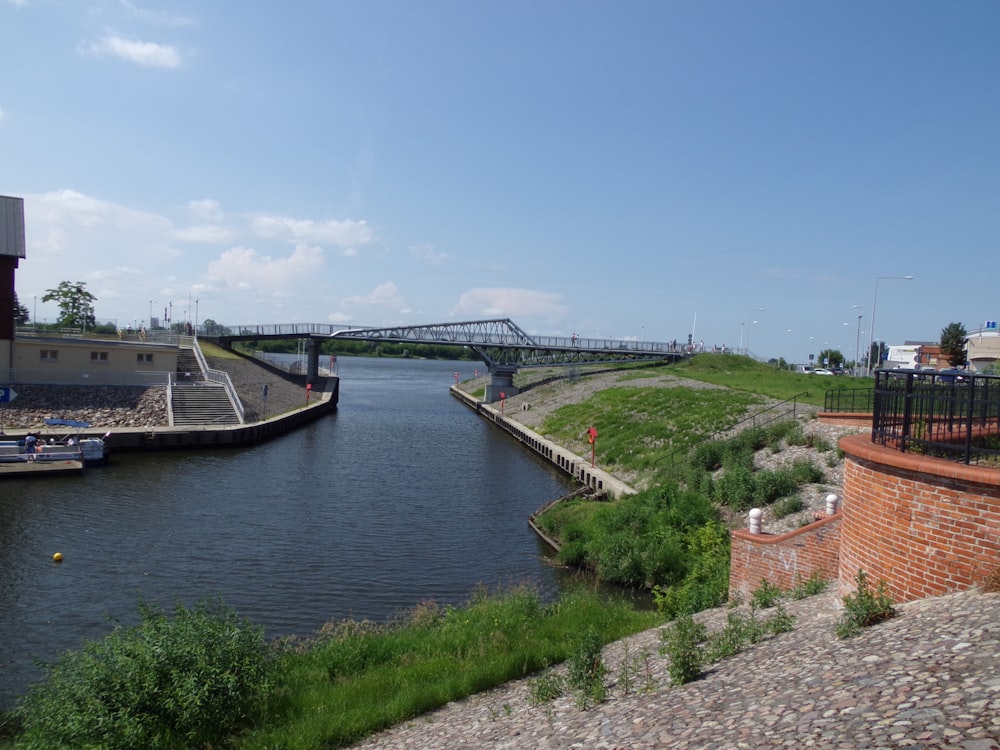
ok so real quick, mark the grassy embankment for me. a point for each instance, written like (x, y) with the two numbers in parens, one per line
(673, 536)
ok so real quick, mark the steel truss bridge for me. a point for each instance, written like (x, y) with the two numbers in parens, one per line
(502, 345)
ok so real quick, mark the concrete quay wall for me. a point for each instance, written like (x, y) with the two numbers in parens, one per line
(194, 437)
(577, 467)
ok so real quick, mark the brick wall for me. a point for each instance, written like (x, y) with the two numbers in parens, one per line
(784, 560)
(926, 526)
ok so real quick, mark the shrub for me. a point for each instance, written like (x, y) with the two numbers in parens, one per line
(786, 506)
(814, 584)
(545, 688)
(586, 670)
(735, 488)
(768, 486)
(765, 596)
(184, 682)
(682, 642)
(864, 607)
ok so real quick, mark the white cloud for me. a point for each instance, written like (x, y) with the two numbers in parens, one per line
(156, 18)
(384, 295)
(244, 268)
(1, 114)
(206, 210)
(149, 54)
(339, 317)
(206, 235)
(428, 254)
(346, 233)
(501, 302)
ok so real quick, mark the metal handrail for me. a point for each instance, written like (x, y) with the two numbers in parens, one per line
(942, 414)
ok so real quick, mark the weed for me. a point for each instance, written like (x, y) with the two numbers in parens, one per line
(787, 506)
(683, 643)
(586, 670)
(864, 607)
(546, 688)
(814, 584)
(765, 596)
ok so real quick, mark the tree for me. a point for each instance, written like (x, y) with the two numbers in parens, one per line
(21, 314)
(76, 304)
(831, 358)
(953, 343)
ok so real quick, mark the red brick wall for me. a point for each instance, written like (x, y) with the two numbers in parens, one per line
(784, 560)
(926, 526)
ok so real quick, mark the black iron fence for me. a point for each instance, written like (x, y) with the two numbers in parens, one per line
(948, 415)
(849, 400)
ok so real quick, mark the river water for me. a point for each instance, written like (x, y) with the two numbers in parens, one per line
(401, 496)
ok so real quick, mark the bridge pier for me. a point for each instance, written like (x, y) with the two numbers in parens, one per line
(501, 381)
(312, 360)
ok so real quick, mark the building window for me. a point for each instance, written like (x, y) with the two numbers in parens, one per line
(48, 355)
(98, 356)
(144, 359)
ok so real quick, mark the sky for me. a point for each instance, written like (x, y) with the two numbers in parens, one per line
(645, 169)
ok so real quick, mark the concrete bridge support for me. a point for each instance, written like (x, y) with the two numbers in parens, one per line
(501, 381)
(312, 360)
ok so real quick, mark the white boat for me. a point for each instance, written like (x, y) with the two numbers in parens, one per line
(67, 453)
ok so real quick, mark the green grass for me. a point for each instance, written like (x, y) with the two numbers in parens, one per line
(357, 681)
(347, 682)
(745, 374)
(640, 427)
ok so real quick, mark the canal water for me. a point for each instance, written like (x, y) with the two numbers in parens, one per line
(403, 495)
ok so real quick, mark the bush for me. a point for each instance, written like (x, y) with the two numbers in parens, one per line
(765, 596)
(864, 607)
(786, 506)
(814, 584)
(682, 642)
(735, 488)
(167, 683)
(586, 670)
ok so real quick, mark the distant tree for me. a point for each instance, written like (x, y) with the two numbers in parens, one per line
(211, 328)
(21, 314)
(76, 304)
(831, 358)
(953, 343)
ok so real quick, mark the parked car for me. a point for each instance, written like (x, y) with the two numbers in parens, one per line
(951, 375)
(822, 371)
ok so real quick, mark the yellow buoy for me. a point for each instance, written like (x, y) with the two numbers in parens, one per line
(57, 557)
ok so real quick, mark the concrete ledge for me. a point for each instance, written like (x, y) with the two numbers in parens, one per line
(579, 468)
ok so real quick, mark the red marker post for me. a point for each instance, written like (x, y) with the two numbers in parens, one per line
(503, 397)
(592, 438)
(309, 387)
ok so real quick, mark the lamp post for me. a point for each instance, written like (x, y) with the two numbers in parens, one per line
(745, 344)
(872, 340)
(857, 343)
(151, 314)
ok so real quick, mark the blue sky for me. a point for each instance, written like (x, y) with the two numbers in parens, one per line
(628, 169)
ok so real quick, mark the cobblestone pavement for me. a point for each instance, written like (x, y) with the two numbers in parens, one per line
(929, 678)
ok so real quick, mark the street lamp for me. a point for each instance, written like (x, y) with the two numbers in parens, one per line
(745, 343)
(151, 314)
(872, 340)
(857, 343)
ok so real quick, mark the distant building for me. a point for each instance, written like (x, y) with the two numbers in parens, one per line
(61, 357)
(982, 347)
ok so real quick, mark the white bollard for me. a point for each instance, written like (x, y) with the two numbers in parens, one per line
(831, 504)
(755, 516)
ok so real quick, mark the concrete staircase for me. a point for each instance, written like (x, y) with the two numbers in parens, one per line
(196, 401)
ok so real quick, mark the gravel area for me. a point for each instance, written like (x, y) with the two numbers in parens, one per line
(133, 406)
